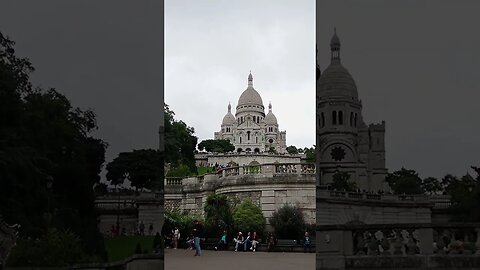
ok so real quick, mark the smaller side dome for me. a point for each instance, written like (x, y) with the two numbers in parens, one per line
(270, 118)
(229, 119)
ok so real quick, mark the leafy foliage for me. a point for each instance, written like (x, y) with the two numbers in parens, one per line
(216, 146)
(183, 221)
(48, 160)
(405, 181)
(248, 217)
(180, 142)
(144, 168)
(465, 197)
(56, 248)
(292, 149)
(181, 170)
(288, 222)
(341, 182)
(218, 214)
(310, 154)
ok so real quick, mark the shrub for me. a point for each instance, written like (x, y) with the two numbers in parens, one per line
(248, 217)
(288, 222)
(56, 248)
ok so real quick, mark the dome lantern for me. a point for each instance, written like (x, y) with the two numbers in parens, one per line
(335, 46)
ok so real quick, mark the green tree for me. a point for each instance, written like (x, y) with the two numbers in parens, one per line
(431, 185)
(464, 196)
(310, 154)
(180, 142)
(216, 146)
(218, 214)
(288, 222)
(144, 168)
(341, 181)
(248, 217)
(49, 162)
(405, 182)
(292, 149)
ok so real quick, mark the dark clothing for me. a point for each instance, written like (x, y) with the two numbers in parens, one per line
(198, 230)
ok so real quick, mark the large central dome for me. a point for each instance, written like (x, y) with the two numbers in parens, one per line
(250, 96)
(336, 81)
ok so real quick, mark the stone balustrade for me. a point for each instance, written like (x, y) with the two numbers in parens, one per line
(325, 193)
(408, 239)
(270, 170)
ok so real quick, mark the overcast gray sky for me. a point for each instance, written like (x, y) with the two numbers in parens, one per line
(210, 47)
(415, 63)
(416, 66)
(103, 55)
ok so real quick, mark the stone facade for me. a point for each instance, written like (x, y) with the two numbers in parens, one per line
(251, 130)
(345, 142)
(269, 186)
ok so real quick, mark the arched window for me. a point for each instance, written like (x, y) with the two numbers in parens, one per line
(334, 117)
(322, 120)
(256, 139)
(355, 120)
(340, 117)
(351, 118)
(254, 118)
(240, 139)
(248, 135)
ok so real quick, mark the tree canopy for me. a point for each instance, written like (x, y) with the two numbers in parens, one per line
(405, 181)
(218, 213)
(292, 149)
(48, 159)
(143, 168)
(288, 222)
(216, 146)
(248, 217)
(180, 142)
(341, 181)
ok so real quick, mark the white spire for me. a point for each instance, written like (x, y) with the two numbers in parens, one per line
(250, 79)
(229, 107)
(270, 106)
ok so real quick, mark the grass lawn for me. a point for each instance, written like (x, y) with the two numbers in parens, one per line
(122, 247)
(204, 170)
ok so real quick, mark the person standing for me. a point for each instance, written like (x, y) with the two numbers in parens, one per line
(254, 242)
(307, 243)
(176, 236)
(197, 234)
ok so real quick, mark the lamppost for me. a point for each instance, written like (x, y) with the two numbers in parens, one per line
(49, 208)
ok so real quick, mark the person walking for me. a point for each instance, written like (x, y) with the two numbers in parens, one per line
(197, 234)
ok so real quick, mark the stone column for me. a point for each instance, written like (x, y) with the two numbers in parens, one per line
(426, 240)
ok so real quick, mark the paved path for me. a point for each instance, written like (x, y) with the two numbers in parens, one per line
(183, 259)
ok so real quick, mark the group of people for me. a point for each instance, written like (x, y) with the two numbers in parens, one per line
(250, 241)
(139, 229)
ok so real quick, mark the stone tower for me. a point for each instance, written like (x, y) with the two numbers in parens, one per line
(344, 142)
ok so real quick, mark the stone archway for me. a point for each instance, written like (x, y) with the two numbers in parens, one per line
(239, 150)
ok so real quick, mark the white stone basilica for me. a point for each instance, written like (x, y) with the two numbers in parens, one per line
(250, 130)
(345, 143)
